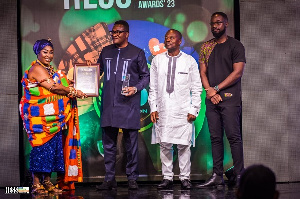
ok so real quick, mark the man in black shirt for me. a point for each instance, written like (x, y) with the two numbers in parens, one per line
(222, 61)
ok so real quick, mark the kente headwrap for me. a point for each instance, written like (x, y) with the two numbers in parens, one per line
(40, 44)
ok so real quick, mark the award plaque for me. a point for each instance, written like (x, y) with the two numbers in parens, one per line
(86, 79)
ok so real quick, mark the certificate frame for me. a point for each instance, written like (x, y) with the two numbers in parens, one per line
(87, 78)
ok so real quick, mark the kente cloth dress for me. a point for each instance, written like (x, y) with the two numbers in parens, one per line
(44, 116)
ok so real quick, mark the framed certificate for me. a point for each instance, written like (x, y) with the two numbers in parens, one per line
(86, 79)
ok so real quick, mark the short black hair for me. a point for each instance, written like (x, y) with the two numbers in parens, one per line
(222, 14)
(257, 181)
(177, 32)
(123, 23)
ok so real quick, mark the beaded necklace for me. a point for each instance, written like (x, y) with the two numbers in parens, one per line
(49, 68)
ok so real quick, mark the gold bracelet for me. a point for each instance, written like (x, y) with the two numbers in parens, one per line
(72, 93)
(52, 86)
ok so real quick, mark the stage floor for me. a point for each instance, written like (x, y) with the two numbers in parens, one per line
(145, 191)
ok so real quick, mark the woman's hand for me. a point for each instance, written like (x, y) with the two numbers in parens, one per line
(88, 62)
(71, 83)
(81, 94)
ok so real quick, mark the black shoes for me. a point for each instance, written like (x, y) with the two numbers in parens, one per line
(107, 185)
(168, 184)
(186, 184)
(165, 184)
(214, 181)
(234, 181)
(132, 184)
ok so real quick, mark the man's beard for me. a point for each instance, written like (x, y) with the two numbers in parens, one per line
(219, 34)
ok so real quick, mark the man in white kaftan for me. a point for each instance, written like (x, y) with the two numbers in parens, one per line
(174, 99)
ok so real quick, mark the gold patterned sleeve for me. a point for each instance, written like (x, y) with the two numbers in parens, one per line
(202, 54)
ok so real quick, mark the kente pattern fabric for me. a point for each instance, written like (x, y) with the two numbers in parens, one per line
(221, 64)
(44, 114)
(206, 50)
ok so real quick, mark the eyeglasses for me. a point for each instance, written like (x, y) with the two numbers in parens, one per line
(217, 23)
(117, 32)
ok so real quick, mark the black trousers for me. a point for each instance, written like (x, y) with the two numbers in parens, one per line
(226, 118)
(109, 140)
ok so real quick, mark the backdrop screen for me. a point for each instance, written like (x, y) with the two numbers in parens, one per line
(80, 29)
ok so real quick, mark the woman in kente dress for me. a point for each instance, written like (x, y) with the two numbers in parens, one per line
(48, 107)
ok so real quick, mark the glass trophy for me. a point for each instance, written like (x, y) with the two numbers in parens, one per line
(125, 84)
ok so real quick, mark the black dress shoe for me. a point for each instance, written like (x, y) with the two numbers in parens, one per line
(214, 181)
(186, 184)
(234, 181)
(132, 184)
(229, 173)
(165, 184)
(107, 185)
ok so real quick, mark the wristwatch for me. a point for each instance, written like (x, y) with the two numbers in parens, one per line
(217, 88)
(135, 90)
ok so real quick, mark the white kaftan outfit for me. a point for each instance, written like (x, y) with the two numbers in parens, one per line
(174, 91)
